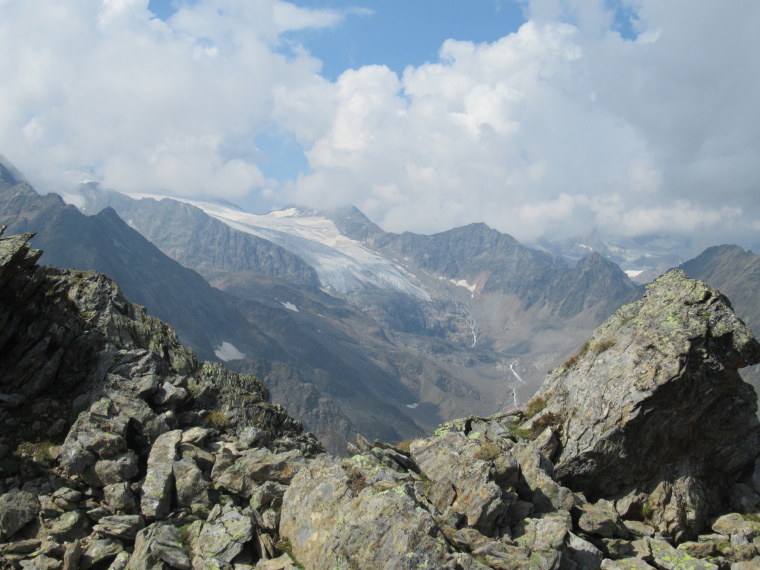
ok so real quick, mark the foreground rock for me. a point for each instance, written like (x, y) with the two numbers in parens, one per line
(161, 462)
(652, 413)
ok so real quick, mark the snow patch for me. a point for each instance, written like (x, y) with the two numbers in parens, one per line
(227, 352)
(412, 406)
(633, 272)
(463, 283)
(289, 306)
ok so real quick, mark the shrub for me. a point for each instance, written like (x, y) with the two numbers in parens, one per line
(216, 419)
(535, 406)
(488, 451)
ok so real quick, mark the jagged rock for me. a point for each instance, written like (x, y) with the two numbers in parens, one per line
(41, 562)
(585, 555)
(481, 471)
(222, 537)
(281, 563)
(668, 558)
(158, 544)
(654, 398)
(257, 466)
(17, 508)
(72, 556)
(601, 520)
(69, 526)
(196, 435)
(123, 527)
(734, 524)
(116, 469)
(268, 494)
(120, 498)
(67, 499)
(387, 529)
(100, 550)
(159, 481)
(626, 564)
(192, 488)
(548, 532)
(538, 471)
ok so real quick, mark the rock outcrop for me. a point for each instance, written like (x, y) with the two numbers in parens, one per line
(652, 412)
(161, 462)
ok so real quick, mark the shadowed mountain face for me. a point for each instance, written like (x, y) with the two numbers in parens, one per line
(737, 274)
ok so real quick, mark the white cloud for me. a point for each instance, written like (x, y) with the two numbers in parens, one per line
(145, 105)
(559, 127)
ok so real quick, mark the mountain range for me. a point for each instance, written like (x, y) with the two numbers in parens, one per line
(354, 329)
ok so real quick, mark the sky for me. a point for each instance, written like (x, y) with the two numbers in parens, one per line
(541, 118)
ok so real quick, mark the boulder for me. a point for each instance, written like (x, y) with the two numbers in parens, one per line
(333, 521)
(159, 481)
(17, 508)
(655, 397)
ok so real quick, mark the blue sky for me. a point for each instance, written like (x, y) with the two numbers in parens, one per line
(542, 118)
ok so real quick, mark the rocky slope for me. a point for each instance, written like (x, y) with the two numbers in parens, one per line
(157, 461)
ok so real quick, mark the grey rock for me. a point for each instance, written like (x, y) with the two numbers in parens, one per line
(158, 486)
(601, 519)
(192, 488)
(120, 562)
(170, 395)
(388, 529)
(72, 555)
(196, 435)
(257, 466)
(538, 472)
(585, 555)
(481, 471)
(668, 558)
(268, 494)
(100, 550)
(17, 508)
(222, 537)
(70, 526)
(66, 498)
(118, 468)
(122, 527)
(549, 532)
(250, 436)
(280, 563)
(120, 498)
(675, 354)
(156, 545)
(626, 564)
(41, 562)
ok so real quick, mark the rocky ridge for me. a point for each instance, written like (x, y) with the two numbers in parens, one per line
(167, 463)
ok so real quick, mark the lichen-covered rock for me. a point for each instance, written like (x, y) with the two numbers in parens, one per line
(334, 522)
(192, 488)
(257, 466)
(158, 546)
(159, 481)
(222, 537)
(481, 471)
(655, 398)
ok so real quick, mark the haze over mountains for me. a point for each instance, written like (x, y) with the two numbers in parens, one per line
(353, 329)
